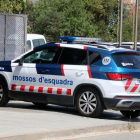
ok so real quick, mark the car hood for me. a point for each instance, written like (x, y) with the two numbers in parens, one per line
(5, 66)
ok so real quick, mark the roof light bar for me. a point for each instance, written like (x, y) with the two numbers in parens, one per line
(79, 39)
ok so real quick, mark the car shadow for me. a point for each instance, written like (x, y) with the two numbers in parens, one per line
(107, 114)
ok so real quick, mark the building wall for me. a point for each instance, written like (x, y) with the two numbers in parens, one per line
(131, 6)
(130, 1)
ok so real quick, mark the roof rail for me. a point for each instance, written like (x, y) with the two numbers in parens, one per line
(107, 47)
(100, 45)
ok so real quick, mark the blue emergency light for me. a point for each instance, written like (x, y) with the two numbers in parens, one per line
(79, 39)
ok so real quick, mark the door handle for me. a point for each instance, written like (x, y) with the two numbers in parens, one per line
(79, 73)
(44, 71)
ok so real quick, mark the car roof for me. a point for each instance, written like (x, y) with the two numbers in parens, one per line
(92, 47)
(93, 44)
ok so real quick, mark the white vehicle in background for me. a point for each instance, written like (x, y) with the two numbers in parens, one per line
(128, 45)
(34, 40)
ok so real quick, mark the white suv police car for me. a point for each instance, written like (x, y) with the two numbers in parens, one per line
(91, 77)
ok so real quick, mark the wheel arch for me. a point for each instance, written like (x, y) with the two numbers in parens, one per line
(81, 86)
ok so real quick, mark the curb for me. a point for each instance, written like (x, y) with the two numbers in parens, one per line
(72, 132)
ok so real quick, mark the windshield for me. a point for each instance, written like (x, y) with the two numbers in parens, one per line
(131, 61)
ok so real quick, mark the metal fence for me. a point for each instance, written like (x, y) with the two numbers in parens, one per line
(13, 31)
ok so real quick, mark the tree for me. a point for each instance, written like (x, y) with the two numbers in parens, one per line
(78, 21)
(34, 11)
(6, 6)
(12, 6)
(62, 17)
(127, 30)
(105, 13)
(106, 17)
(50, 24)
(91, 18)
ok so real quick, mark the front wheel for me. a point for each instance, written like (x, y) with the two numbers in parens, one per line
(89, 103)
(3, 94)
(130, 113)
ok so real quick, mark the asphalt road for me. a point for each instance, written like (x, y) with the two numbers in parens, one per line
(20, 118)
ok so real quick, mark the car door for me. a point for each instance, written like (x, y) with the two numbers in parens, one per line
(32, 75)
(67, 74)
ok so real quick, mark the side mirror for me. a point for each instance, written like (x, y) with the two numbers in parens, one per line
(21, 61)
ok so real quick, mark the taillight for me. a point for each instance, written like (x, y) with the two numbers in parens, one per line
(118, 77)
(131, 53)
(58, 45)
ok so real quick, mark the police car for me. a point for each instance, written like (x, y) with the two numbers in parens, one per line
(90, 77)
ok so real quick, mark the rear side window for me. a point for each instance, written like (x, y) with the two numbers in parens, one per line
(94, 57)
(131, 61)
(73, 57)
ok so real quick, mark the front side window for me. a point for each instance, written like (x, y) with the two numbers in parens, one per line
(73, 57)
(43, 56)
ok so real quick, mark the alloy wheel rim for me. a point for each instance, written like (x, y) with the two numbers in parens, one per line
(87, 102)
(1, 92)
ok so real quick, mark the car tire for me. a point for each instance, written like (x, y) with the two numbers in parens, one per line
(130, 113)
(39, 104)
(89, 102)
(3, 94)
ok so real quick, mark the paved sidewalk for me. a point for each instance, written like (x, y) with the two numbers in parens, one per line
(23, 120)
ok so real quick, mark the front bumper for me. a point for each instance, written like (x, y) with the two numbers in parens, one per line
(119, 103)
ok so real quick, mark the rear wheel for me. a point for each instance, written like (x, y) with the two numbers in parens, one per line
(89, 103)
(39, 104)
(3, 94)
(130, 113)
